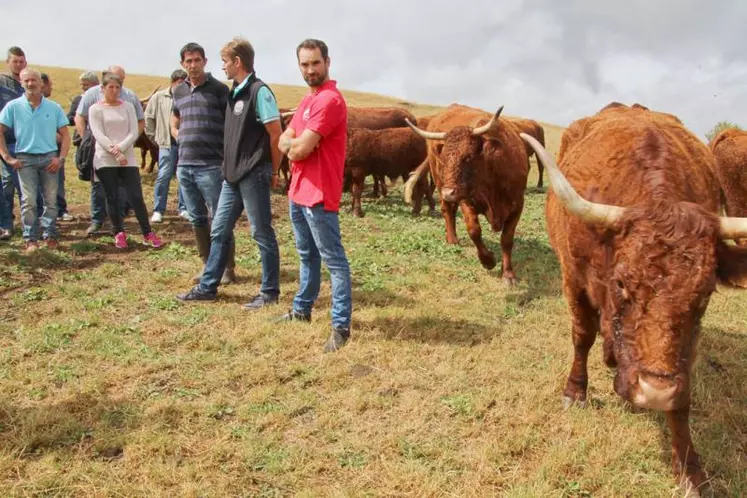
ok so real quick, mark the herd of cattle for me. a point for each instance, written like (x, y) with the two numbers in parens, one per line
(633, 216)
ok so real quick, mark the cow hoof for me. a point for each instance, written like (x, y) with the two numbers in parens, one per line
(488, 262)
(358, 214)
(510, 280)
(568, 402)
(434, 214)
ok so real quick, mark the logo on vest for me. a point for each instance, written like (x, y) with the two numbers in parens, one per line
(238, 108)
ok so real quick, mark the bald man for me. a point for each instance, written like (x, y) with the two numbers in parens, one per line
(92, 96)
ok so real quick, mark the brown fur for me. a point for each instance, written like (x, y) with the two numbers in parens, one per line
(392, 152)
(644, 284)
(488, 175)
(534, 129)
(147, 145)
(729, 148)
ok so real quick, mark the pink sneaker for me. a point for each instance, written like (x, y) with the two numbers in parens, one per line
(152, 240)
(120, 240)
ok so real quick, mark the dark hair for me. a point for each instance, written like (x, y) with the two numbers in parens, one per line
(311, 44)
(241, 48)
(179, 74)
(44, 78)
(192, 47)
(17, 51)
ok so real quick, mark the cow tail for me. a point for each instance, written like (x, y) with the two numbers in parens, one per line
(413, 180)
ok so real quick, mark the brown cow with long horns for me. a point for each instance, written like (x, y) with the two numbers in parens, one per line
(641, 257)
(479, 163)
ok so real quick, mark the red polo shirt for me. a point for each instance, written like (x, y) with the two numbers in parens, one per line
(318, 178)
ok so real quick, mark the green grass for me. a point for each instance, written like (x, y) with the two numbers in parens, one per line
(450, 386)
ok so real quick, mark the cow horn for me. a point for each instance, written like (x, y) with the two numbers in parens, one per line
(413, 180)
(481, 130)
(733, 228)
(590, 212)
(428, 135)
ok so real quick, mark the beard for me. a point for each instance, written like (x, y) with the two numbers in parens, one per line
(315, 80)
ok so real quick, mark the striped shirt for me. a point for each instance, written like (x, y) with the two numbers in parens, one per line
(201, 111)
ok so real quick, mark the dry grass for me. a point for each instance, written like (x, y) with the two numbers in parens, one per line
(450, 387)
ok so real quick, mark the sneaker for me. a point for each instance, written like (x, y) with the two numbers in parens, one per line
(5, 234)
(31, 245)
(120, 240)
(152, 240)
(93, 229)
(260, 301)
(66, 217)
(293, 315)
(337, 339)
(184, 214)
(52, 243)
(156, 218)
(196, 294)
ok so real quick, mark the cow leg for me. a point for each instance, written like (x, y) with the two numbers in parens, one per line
(143, 152)
(449, 211)
(417, 199)
(359, 181)
(487, 258)
(540, 171)
(382, 182)
(584, 331)
(685, 461)
(428, 192)
(507, 246)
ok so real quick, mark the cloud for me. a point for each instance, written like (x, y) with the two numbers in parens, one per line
(549, 60)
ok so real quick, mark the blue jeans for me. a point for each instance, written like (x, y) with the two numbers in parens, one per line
(201, 187)
(252, 193)
(32, 175)
(9, 183)
(61, 202)
(318, 239)
(98, 202)
(166, 171)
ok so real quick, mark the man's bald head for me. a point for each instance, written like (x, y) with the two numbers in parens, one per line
(118, 70)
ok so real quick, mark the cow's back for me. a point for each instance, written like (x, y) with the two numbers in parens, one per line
(627, 156)
(379, 118)
(729, 149)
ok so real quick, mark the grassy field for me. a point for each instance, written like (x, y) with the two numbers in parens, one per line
(451, 385)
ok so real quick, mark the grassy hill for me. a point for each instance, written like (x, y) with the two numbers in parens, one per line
(451, 385)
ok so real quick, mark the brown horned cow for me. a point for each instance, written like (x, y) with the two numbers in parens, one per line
(391, 152)
(145, 143)
(730, 150)
(640, 258)
(533, 129)
(479, 163)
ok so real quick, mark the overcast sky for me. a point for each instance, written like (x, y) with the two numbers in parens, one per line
(551, 60)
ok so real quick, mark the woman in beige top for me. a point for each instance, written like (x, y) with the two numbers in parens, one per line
(114, 126)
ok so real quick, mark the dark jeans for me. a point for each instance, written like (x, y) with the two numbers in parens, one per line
(98, 202)
(252, 193)
(318, 239)
(129, 178)
(167, 158)
(201, 186)
(10, 183)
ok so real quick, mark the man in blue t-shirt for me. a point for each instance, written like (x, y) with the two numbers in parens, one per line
(251, 160)
(35, 122)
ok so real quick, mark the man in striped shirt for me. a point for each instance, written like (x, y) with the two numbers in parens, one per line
(197, 122)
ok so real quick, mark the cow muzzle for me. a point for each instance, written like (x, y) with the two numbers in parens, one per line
(657, 393)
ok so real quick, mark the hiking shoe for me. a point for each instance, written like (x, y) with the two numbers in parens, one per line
(152, 240)
(156, 218)
(293, 315)
(120, 240)
(93, 229)
(31, 246)
(66, 217)
(5, 234)
(184, 214)
(337, 339)
(52, 243)
(196, 294)
(260, 301)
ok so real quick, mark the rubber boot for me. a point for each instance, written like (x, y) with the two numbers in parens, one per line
(202, 237)
(229, 275)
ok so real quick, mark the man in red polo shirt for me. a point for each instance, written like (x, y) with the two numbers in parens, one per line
(315, 142)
